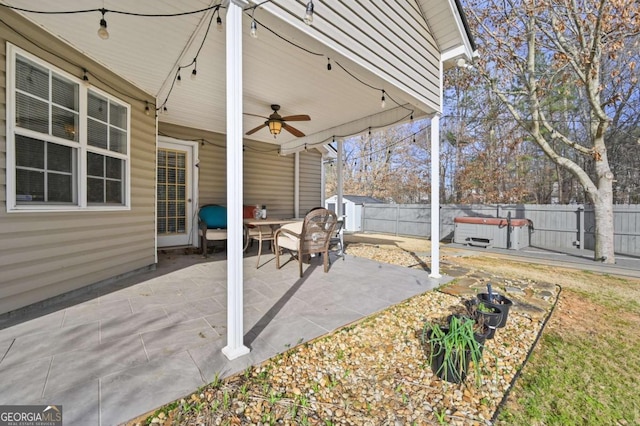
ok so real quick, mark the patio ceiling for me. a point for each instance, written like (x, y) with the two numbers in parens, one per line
(148, 50)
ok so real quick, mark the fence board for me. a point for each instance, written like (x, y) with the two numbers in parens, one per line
(554, 226)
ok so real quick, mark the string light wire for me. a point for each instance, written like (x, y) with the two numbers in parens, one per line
(216, 8)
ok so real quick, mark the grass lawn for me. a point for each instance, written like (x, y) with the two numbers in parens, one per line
(584, 369)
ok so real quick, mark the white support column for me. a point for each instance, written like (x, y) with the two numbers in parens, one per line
(435, 196)
(339, 160)
(323, 182)
(296, 185)
(235, 304)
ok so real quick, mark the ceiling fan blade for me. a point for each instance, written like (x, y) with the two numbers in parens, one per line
(292, 130)
(299, 117)
(252, 131)
(255, 115)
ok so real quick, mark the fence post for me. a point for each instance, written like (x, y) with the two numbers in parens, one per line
(581, 226)
(397, 218)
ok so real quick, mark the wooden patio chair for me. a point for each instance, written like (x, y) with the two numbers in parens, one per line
(308, 237)
(337, 239)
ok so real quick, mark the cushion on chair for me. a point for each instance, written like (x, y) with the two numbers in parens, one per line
(285, 240)
(247, 212)
(293, 227)
(214, 216)
(216, 234)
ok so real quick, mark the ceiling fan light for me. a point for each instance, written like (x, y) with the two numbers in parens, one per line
(275, 126)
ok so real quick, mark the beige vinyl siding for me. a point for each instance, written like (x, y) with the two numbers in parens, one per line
(45, 254)
(310, 180)
(389, 37)
(212, 168)
(268, 177)
(3, 126)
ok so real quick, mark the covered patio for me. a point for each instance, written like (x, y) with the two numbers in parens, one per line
(352, 69)
(120, 351)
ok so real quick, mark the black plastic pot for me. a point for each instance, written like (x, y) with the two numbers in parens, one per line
(455, 371)
(491, 318)
(458, 366)
(481, 338)
(497, 301)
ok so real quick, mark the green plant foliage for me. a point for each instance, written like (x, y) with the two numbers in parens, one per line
(457, 344)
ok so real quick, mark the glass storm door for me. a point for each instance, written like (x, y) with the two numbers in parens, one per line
(175, 180)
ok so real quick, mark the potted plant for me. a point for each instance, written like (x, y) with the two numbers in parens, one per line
(452, 348)
(484, 313)
(497, 301)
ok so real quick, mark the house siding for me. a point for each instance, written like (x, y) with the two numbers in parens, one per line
(310, 180)
(390, 38)
(45, 254)
(268, 178)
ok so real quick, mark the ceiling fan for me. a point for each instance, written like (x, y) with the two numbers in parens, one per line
(275, 122)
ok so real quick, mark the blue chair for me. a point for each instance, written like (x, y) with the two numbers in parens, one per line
(212, 225)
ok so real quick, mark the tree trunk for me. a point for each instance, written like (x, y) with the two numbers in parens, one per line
(603, 210)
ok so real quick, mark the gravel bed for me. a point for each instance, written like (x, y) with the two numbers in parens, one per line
(373, 372)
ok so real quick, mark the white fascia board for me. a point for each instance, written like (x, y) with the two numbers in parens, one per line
(455, 12)
(455, 53)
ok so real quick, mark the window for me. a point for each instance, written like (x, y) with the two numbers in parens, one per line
(67, 143)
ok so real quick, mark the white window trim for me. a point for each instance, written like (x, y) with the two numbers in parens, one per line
(81, 167)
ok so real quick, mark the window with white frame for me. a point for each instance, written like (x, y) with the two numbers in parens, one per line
(67, 143)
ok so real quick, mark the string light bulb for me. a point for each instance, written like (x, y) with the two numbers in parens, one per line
(328, 64)
(383, 101)
(219, 21)
(254, 29)
(102, 31)
(194, 73)
(178, 78)
(85, 77)
(147, 111)
(308, 15)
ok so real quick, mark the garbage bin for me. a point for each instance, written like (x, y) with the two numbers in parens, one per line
(491, 232)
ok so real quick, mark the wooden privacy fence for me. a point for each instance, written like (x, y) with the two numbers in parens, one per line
(554, 226)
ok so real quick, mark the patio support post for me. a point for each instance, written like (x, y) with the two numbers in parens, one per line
(435, 196)
(296, 185)
(339, 207)
(235, 304)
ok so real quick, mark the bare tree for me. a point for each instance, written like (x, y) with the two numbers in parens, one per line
(392, 165)
(529, 48)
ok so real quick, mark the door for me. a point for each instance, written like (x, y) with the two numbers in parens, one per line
(176, 180)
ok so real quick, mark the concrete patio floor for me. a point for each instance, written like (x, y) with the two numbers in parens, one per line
(115, 353)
